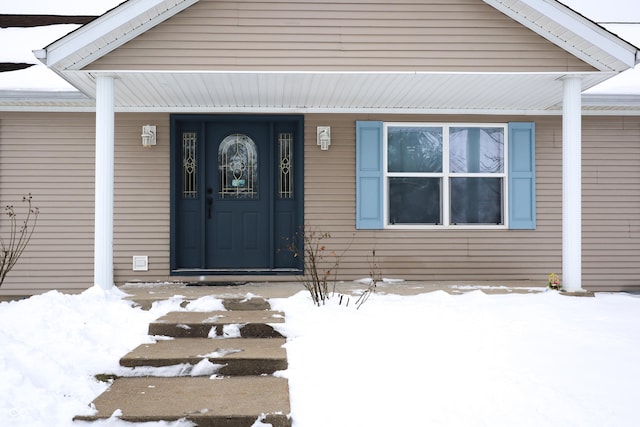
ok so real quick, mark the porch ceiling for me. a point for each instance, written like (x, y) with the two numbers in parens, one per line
(333, 91)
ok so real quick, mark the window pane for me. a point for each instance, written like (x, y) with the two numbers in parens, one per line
(414, 201)
(189, 165)
(414, 149)
(476, 150)
(238, 167)
(476, 200)
(285, 148)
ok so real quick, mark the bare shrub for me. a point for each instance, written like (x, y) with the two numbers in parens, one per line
(20, 233)
(320, 264)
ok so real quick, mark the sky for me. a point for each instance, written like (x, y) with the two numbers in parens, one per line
(17, 45)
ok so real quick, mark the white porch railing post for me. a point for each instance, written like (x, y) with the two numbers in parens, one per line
(103, 236)
(572, 185)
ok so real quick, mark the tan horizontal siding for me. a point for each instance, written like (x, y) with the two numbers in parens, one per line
(611, 211)
(142, 198)
(460, 35)
(428, 254)
(51, 156)
(611, 202)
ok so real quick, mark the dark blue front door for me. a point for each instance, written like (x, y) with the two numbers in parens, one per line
(237, 194)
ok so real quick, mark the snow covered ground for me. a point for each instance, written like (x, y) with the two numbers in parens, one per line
(435, 359)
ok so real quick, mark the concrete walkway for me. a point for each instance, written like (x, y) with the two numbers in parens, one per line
(147, 293)
(241, 343)
(226, 361)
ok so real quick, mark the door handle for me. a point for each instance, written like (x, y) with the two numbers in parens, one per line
(209, 201)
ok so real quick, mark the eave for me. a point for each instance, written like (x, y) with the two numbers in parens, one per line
(108, 32)
(572, 32)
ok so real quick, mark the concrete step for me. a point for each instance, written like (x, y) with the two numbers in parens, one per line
(220, 402)
(246, 304)
(239, 356)
(145, 300)
(231, 324)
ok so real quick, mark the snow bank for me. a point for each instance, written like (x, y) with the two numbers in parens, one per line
(465, 360)
(53, 344)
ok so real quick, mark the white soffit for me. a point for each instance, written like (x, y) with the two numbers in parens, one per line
(333, 91)
(572, 32)
(108, 32)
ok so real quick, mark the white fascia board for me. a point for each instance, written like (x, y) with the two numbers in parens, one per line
(114, 22)
(573, 22)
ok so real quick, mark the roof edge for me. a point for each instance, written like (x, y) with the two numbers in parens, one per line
(114, 28)
(596, 35)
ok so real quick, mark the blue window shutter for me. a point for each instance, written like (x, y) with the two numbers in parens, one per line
(522, 176)
(369, 175)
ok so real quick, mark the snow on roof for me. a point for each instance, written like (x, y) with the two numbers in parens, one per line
(18, 44)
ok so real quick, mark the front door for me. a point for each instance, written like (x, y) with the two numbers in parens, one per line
(237, 194)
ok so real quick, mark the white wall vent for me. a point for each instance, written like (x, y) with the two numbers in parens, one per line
(140, 263)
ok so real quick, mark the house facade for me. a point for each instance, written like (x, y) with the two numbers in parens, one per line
(450, 139)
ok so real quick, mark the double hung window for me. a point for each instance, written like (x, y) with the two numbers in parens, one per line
(445, 174)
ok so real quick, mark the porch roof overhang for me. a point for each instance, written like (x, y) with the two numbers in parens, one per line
(322, 92)
(393, 92)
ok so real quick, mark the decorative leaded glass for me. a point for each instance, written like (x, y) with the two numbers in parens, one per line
(189, 165)
(285, 145)
(238, 167)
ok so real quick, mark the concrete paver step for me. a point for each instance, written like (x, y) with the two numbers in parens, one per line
(190, 324)
(240, 356)
(220, 402)
(246, 304)
(146, 299)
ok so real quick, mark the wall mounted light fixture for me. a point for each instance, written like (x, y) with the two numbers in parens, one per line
(148, 135)
(324, 137)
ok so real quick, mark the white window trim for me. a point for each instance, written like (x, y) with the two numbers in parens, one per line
(445, 201)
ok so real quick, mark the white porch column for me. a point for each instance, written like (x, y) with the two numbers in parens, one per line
(103, 235)
(571, 185)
